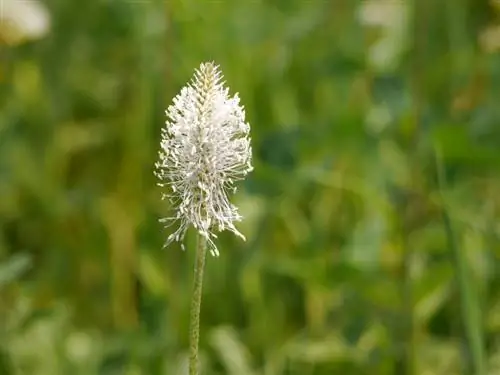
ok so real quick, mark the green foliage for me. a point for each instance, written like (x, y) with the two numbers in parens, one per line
(359, 259)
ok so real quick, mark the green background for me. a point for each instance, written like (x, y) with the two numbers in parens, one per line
(372, 215)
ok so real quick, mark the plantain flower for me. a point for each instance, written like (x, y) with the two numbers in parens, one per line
(205, 149)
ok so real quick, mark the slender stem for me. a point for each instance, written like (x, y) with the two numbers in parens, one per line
(194, 326)
(408, 299)
(474, 359)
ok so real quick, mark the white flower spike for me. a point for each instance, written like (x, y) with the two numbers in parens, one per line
(205, 149)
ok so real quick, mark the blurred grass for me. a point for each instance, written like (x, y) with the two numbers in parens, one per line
(348, 267)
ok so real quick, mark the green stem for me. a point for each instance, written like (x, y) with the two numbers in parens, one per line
(468, 296)
(194, 326)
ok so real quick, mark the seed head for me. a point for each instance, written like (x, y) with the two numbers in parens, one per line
(205, 149)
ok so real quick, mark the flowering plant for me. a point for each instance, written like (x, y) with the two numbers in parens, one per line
(205, 149)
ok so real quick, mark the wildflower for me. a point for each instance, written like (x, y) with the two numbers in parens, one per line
(205, 149)
(22, 21)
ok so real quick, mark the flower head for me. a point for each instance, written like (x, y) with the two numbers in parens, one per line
(205, 149)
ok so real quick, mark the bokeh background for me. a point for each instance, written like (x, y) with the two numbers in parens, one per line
(372, 215)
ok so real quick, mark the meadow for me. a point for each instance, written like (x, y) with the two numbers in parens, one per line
(372, 216)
